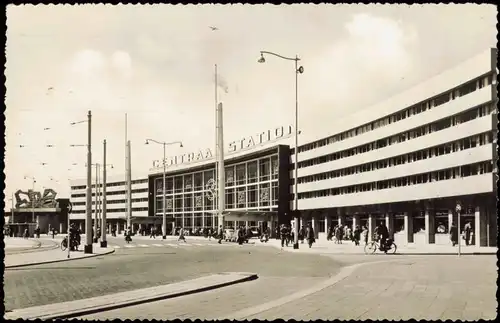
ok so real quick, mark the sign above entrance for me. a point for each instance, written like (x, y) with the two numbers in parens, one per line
(234, 147)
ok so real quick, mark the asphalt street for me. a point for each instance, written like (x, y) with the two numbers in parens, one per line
(434, 288)
(152, 262)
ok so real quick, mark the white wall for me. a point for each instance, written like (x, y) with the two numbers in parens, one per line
(463, 157)
(450, 108)
(460, 131)
(448, 188)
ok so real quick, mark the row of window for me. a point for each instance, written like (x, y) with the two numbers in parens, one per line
(445, 174)
(443, 149)
(143, 199)
(134, 209)
(134, 191)
(263, 195)
(260, 170)
(208, 221)
(136, 181)
(478, 112)
(418, 108)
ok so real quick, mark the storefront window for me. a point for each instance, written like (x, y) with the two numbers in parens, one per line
(198, 202)
(198, 181)
(264, 194)
(274, 167)
(188, 202)
(170, 185)
(264, 169)
(178, 184)
(229, 173)
(230, 198)
(252, 172)
(188, 183)
(241, 197)
(240, 174)
(252, 196)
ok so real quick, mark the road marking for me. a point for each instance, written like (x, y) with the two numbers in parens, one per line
(130, 246)
(157, 245)
(198, 244)
(187, 245)
(144, 245)
(171, 245)
(116, 247)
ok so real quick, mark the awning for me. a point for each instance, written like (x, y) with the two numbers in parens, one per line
(246, 215)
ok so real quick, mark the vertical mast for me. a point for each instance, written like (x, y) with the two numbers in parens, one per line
(216, 178)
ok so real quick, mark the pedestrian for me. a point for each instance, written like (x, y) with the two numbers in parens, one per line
(453, 234)
(467, 232)
(181, 235)
(283, 235)
(310, 235)
(356, 235)
(364, 234)
(152, 233)
(302, 234)
(26, 233)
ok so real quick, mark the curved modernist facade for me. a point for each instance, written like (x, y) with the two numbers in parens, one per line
(406, 161)
(409, 160)
(256, 192)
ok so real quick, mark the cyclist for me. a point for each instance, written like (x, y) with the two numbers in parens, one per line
(383, 234)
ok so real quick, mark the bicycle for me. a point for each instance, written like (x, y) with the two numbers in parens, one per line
(390, 247)
(64, 244)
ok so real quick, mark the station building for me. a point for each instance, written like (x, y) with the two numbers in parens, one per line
(409, 160)
(406, 161)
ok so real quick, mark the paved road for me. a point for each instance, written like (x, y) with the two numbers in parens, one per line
(141, 267)
(438, 287)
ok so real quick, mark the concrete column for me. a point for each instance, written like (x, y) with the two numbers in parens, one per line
(430, 230)
(328, 223)
(341, 219)
(408, 227)
(389, 223)
(37, 220)
(80, 226)
(450, 220)
(371, 227)
(272, 228)
(61, 227)
(315, 224)
(480, 227)
(355, 221)
(117, 227)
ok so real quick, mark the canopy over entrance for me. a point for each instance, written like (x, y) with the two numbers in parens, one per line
(246, 215)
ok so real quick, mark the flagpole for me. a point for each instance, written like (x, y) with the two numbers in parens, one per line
(126, 171)
(216, 154)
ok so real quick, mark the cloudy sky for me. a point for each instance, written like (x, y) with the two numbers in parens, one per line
(156, 63)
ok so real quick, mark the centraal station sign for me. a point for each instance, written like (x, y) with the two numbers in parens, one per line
(232, 148)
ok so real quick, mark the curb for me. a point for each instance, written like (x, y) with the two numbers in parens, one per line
(113, 306)
(325, 252)
(60, 260)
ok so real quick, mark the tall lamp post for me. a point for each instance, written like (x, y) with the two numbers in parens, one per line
(164, 192)
(298, 70)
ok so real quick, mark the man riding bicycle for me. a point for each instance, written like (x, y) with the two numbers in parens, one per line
(383, 234)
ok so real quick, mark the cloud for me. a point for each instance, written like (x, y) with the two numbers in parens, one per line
(122, 62)
(352, 72)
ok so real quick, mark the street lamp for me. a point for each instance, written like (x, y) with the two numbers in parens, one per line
(33, 200)
(165, 144)
(298, 70)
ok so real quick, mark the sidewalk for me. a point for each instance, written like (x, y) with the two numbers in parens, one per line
(113, 301)
(329, 247)
(51, 256)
